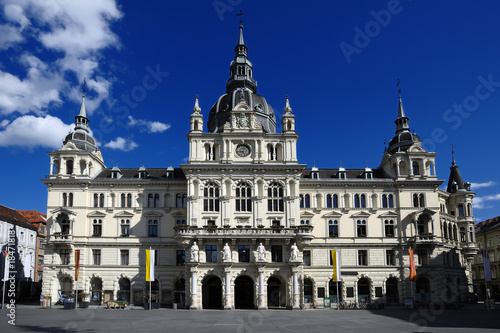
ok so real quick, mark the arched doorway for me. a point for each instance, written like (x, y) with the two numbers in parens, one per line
(65, 287)
(308, 291)
(332, 291)
(276, 293)
(364, 290)
(95, 291)
(244, 293)
(212, 293)
(123, 293)
(423, 289)
(391, 290)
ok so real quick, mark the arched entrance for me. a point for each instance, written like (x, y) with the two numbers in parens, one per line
(364, 290)
(244, 293)
(308, 291)
(65, 287)
(212, 293)
(423, 289)
(95, 291)
(391, 290)
(332, 291)
(123, 293)
(276, 293)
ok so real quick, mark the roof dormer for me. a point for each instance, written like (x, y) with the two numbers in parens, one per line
(116, 173)
(143, 173)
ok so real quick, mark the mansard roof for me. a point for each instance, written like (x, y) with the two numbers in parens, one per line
(133, 174)
(350, 174)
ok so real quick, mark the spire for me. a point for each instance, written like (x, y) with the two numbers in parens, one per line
(402, 122)
(81, 121)
(287, 105)
(455, 182)
(196, 108)
(241, 68)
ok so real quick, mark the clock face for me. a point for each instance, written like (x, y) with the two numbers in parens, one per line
(242, 150)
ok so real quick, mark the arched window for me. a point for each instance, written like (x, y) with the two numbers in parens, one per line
(243, 197)
(460, 210)
(304, 222)
(335, 201)
(70, 200)
(363, 201)
(421, 199)
(307, 199)
(150, 200)
(391, 201)
(211, 200)
(361, 228)
(469, 209)
(65, 200)
(301, 200)
(356, 201)
(275, 198)
(129, 200)
(333, 228)
(178, 200)
(123, 200)
(445, 230)
(69, 167)
(416, 169)
(184, 201)
(384, 201)
(328, 201)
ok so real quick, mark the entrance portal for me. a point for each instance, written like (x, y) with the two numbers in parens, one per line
(244, 293)
(212, 293)
(276, 294)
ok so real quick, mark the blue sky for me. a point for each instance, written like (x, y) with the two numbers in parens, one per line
(339, 62)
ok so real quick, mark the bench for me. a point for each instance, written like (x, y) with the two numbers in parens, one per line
(112, 305)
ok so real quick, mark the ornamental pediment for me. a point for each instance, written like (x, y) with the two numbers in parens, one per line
(178, 214)
(361, 214)
(330, 215)
(96, 213)
(153, 214)
(388, 215)
(307, 215)
(124, 214)
(62, 210)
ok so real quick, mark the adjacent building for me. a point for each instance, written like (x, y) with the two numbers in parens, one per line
(39, 220)
(244, 224)
(487, 238)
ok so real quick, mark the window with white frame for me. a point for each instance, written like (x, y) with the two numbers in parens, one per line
(390, 257)
(387, 201)
(153, 228)
(359, 201)
(124, 257)
(389, 228)
(275, 198)
(97, 228)
(125, 228)
(333, 228)
(243, 196)
(96, 257)
(126, 200)
(362, 258)
(211, 195)
(332, 201)
(361, 228)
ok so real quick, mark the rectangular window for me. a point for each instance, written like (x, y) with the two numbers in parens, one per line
(64, 254)
(378, 291)
(321, 292)
(97, 228)
(276, 253)
(389, 228)
(96, 257)
(125, 228)
(422, 257)
(333, 228)
(306, 258)
(153, 228)
(362, 258)
(349, 291)
(244, 253)
(211, 253)
(361, 228)
(124, 257)
(180, 256)
(390, 257)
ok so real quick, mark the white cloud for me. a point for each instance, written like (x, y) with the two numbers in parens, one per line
(480, 202)
(148, 126)
(475, 186)
(121, 144)
(77, 30)
(30, 131)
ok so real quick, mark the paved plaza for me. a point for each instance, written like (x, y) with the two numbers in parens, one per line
(30, 318)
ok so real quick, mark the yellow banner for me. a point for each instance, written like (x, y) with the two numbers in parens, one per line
(336, 265)
(150, 265)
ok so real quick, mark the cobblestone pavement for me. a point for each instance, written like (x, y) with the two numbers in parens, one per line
(31, 318)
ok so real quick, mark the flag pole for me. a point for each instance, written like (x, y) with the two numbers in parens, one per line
(487, 300)
(338, 296)
(150, 279)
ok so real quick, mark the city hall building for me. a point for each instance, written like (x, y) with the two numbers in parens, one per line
(243, 224)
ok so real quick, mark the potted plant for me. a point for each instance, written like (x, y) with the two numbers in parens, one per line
(227, 226)
(83, 299)
(260, 226)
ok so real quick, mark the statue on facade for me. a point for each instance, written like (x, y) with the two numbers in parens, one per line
(294, 252)
(227, 253)
(261, 252)
(194, 252)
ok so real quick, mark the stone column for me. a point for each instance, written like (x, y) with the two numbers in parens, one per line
(295, 289)
(227, 289)
(194, 289)
(262, 295)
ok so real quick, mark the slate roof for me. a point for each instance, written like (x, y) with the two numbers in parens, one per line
(12, 216)
(133, 174)
(350, 174)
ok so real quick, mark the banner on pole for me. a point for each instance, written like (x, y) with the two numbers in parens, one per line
(150, 265)
(77, 264)
(487, 268)
(413, 272)
(27, 266)
(5, 261)
(336, 265)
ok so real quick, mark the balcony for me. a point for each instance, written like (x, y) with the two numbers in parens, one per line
(426, 239)
(60, 238)
(300, 234)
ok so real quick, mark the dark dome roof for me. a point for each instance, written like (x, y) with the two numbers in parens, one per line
(403, 141)
(220, 112)
(81, 140)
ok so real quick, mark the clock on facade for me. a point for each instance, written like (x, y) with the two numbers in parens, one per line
(242, 150)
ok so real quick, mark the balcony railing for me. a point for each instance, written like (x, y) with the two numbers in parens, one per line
(60, 238)
(242, 232)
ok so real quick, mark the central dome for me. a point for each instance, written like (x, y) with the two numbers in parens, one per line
(240, 86)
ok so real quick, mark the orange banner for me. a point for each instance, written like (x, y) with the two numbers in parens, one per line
(413, 272)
